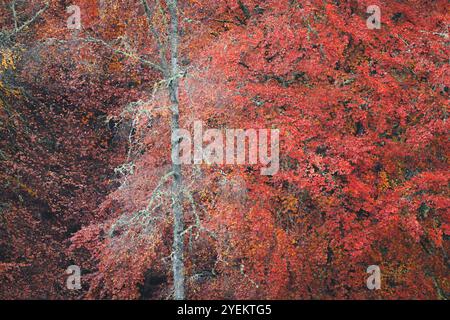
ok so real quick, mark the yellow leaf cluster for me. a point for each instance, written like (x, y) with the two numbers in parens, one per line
(289, 204)
(7, 61)
(384, 181)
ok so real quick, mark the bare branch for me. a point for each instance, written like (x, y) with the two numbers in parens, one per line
(198, 223)
(31, 20)
(13, 9)
(161, 48)
(125, 53)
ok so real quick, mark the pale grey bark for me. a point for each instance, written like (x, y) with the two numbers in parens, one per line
(171, 74)
(169, 67)
(178, 217)
(7, 36)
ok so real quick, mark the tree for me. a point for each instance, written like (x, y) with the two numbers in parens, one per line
(169, 67)
(328, 214)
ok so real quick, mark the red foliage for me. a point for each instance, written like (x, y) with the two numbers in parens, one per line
(363, 157)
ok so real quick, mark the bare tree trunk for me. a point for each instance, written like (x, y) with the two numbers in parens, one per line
(178, 218)
(171, 73)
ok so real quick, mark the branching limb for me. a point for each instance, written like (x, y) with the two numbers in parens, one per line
(160, 184)
(128, 221)
(161, 47)
(29, 21)
(13, 9)
(198, 224)
(124, 53)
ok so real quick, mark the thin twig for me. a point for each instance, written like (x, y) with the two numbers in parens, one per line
(125, 53)
(30, 21)
(13, 8)
(161, 48)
